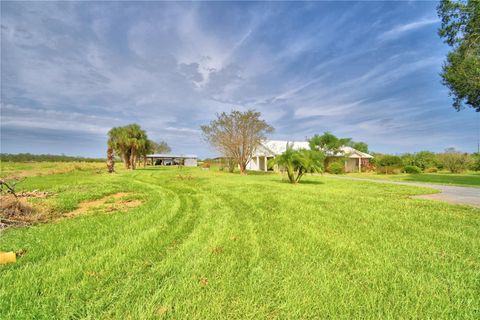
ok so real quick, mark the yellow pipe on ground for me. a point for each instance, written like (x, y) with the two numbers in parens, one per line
(7, 257)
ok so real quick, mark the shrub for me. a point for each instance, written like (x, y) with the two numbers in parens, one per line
(412, 169)
(475, 165)
(335, 168)
(424, 159)
(453, 160)
(431, 170)
(297, 163)
(389, 164)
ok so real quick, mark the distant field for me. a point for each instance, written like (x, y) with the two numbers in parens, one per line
(212, 245)
(28, 169)
(469, 179)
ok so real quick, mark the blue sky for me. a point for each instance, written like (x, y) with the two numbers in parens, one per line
(365, 70)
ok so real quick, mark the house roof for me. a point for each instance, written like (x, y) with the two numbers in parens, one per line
(276, 147)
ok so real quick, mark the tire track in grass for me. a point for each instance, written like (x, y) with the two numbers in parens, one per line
(238, 279)
(105, 255)
(192, 258)
(149, 239)
(195, 258)
(56, 262)
(161, 271)
(193, 255)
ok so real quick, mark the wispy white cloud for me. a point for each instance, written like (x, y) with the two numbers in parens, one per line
(399, 30)
(81, 69)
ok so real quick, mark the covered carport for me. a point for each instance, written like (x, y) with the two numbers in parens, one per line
(171, 160)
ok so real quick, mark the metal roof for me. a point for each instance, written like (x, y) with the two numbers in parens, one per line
(276, 147)
(164, 155)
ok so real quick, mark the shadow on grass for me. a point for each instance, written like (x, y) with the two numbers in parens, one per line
(260, 173)
(302, 182)
(311, 182)
(465, 180)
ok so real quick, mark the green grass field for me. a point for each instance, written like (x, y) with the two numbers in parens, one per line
(213, 245)
(28, 169)
(468, 179)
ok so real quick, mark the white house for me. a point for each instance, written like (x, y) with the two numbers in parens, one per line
(269, 149)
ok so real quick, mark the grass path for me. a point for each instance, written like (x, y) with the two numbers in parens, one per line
(224, 246)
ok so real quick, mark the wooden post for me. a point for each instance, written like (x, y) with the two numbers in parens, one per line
(266, 168)
(258, 163)
(359, 164)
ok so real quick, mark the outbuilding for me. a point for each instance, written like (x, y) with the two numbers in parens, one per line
(170, 160)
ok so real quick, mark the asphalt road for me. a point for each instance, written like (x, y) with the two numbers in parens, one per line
(452, 194)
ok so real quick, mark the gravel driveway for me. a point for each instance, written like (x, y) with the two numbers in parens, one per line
(452, 194)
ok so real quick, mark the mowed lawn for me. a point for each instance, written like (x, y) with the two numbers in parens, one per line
(467, 179)
(213, 245)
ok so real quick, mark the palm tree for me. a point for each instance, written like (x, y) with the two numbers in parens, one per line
(136, 140)
(129, 142)
(110, 160)
(117, 140)
(147, 148)
(299, 162)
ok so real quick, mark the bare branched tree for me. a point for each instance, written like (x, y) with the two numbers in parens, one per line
(160, 147)
(236, 135)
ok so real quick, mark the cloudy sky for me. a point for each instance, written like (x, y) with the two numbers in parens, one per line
(71, 71)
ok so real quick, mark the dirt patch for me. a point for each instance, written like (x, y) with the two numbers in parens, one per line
(113, 203)
(17, 211)
(34, 194)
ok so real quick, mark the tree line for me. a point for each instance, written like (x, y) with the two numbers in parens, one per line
(451, 160)
(29, 157)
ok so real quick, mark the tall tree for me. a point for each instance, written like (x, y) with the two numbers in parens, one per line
(137, 139)
(117, 140)
(128, 142)
(160, 147)
(328, 142)
(461, 30)
(236, 135)
(360, 146)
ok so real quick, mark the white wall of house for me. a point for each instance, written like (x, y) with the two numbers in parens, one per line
(258, 163)
(271, 148)
(253, 164)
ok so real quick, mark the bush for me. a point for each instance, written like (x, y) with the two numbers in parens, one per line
(431, 170)
(475, 165)
(424, 159)
(412, 169)
(335, 168)
(454, 161)
(389, 164)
